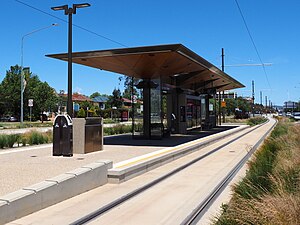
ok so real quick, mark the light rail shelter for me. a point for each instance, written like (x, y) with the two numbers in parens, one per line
(176, 85)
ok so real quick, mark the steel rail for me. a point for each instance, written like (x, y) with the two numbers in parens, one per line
(201, 209)
(137, 191)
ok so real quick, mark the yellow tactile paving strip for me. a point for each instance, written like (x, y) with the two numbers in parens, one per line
(164, 151)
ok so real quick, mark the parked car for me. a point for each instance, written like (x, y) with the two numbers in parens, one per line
(296, 116)
(239, 114)
(9, 119)
(288, 114)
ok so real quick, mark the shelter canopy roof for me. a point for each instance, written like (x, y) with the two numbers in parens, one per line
(175, 64)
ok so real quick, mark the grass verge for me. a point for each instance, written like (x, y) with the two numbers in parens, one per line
(270, 191)
(29, 138)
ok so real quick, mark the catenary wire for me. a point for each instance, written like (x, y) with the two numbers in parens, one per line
(252, 40)
(80, 27)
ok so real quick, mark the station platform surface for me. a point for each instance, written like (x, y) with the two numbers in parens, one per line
(25, 166)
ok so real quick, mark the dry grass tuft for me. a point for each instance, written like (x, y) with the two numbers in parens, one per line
(276, 201)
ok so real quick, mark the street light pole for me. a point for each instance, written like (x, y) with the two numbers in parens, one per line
(223, 93)
(70, 75)
(70, 11)
(22, 71)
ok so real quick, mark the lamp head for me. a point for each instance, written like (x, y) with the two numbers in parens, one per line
(82, 5)
(63, 7)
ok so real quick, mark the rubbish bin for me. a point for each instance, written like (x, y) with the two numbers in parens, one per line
(87, 135)
(93, 134)
(62, 136)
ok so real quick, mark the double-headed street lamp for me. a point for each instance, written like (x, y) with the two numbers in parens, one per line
(22, 70)
(70, 11)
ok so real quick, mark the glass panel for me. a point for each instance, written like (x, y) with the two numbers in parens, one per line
(156, 126)
(137, 112)
(203, 109)
(193, 113)
(198, 114)
(189, 113)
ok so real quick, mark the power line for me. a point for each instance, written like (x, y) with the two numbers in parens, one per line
(80, 27)
(252, 40)
(248, 64)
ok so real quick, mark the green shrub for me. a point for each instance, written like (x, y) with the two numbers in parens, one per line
(112, 131)
(36, 138)
(11, 140)
(256, 120)
(3, 141)
(118, 129)
(18, 139)
(48, 136)
(81, 113)
(108, 121)
(24, 140)
(138, 127)
(281, 129)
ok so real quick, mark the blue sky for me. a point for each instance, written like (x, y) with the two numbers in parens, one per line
(203, 26)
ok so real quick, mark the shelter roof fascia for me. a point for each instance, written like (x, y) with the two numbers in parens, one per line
(178, 48)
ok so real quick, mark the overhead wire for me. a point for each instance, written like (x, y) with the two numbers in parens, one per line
(252, 40)
(80, 27)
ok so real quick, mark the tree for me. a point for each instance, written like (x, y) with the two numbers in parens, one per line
(44, 97)
(128, 87)
(115, 99)
(94, 95)
(239, 102)
(85, 105)
(10, 92)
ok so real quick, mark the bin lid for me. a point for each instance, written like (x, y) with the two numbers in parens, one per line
(67, 118)
(93, 120)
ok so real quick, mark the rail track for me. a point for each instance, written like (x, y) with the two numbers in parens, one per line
(199, 211)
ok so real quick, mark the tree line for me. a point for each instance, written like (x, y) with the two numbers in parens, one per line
(45, 98)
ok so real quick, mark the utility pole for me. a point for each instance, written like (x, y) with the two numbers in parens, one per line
(261, 102)
(253, 98)
(266, 104)
(261, 97)
(272, 106)
(223, 91)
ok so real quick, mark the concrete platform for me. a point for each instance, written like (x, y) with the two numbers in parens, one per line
(128, 169)
(33, 179)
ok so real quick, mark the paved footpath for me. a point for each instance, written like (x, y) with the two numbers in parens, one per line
(21, 167)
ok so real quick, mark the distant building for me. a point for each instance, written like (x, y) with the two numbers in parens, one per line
(127, 104)
(290, 106)
(76, 99)
(227, 94)
(278, 108)
(100, 101)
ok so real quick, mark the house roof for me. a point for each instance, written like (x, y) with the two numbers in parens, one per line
(100, 99)
(126, 100)
(79, 97)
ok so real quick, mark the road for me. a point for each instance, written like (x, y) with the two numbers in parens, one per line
(168, 202)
